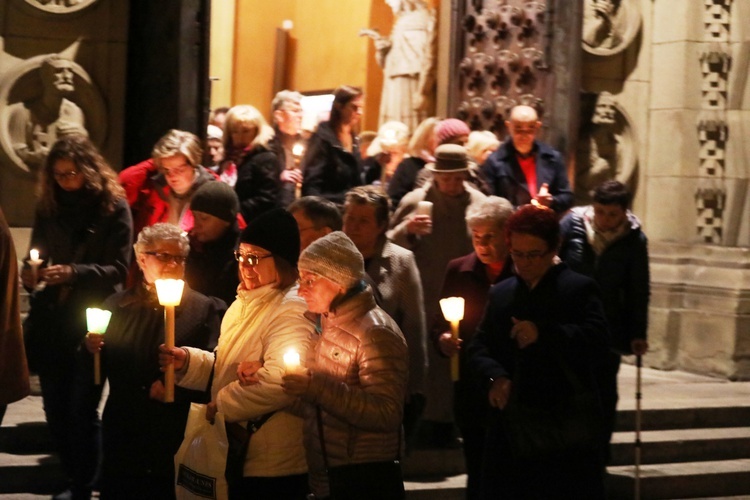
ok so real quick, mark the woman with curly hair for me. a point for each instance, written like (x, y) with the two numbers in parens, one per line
(82, 231)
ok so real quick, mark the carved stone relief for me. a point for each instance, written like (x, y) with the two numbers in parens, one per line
(60, 6)
(503, 61)
(609, 26)
(46, 97)
(606, 145)
(713, 128)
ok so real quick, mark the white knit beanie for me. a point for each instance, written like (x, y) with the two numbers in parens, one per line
(334, 257)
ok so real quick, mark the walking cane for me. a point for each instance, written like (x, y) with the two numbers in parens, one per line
(638, 395)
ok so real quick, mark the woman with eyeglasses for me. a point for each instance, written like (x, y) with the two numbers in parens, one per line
(82, 233)
(262, 324)
(159, 189)
(534, 352)
(140, 432)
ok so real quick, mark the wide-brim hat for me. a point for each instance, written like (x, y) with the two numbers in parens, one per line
(450, 158)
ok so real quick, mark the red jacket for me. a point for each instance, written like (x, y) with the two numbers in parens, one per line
(147, 193)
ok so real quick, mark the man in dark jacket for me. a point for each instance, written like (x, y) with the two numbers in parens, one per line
(605, 241)
(288, 143)
(524, 170)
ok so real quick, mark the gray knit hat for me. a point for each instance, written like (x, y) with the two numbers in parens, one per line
(334, 257)
(216, 198)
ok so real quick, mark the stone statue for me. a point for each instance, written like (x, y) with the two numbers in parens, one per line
(408, 61)
(606, 149)
(37, 123)
(609, 25)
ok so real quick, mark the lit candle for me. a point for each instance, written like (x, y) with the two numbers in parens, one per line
(34, 261)
(298, 149)
(453, 310)
(97, 321)
(291, 361)
(169, 292)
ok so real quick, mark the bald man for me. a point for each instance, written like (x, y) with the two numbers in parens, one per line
(523, 169)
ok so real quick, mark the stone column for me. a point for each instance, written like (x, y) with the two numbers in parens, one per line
(697, 188)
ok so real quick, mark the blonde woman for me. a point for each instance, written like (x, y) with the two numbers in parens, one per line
(420, 151)
(246, 142)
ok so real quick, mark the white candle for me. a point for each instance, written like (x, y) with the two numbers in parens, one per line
(34, 255)
(424, 208)
(453, 310)
(291, 361)
(298, 149)
(169, 292)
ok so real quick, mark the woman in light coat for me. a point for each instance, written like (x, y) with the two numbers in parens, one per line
(263, 323)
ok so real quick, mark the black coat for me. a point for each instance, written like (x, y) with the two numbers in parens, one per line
(505, 178)
(258, 183)
(567, 310)
(404, 178)
(141, 435)
(329, 170)
(621, 271)
(98, 247)
(211, 268)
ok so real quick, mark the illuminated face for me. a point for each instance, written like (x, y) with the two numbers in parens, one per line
(531, 257)
(207, 227)
(609, 217)
(361, 225)
(258, 275)
(215, 150)
(450, 184)
(162, 261)
(489, 243)
(289, 118)
(179, 174)
(307, 230)
(523, 134)
(243, 134)
(352, 112)
(317, 291)
(67, 175)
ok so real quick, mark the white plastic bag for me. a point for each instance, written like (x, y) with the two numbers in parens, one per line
(202, 457)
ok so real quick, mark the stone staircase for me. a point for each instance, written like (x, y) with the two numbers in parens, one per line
(685, 453)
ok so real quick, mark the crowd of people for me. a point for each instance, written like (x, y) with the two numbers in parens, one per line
(289, 239)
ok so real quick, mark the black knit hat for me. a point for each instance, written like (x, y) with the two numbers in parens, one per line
(216, 198)
(275, 231)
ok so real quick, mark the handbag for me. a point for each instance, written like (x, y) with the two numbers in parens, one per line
(363, 481)
(239, 439)
(572, 425)
(201, 458)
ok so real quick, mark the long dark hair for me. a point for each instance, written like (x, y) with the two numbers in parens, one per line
(99, 178)
(341, 97)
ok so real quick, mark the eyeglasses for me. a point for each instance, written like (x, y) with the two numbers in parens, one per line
(167, 257)
(308, 281)
(536, 255)
(249, 259)
(176, 170)
(66, 175)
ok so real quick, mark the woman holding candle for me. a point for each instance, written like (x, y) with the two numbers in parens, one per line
(535, 350)
(141, 433)
(357, 380)
(82, 231)
(264, 323)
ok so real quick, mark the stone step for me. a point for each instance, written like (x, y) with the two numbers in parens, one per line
(710, 479)
(436, 488)
(30, 473)
(683, 445)
(685, 418)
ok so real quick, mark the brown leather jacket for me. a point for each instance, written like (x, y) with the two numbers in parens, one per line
(359, 372)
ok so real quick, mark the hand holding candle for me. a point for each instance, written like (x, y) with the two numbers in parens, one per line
(97, 321)
(453, 311)
(169, 292)
(292, 361)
